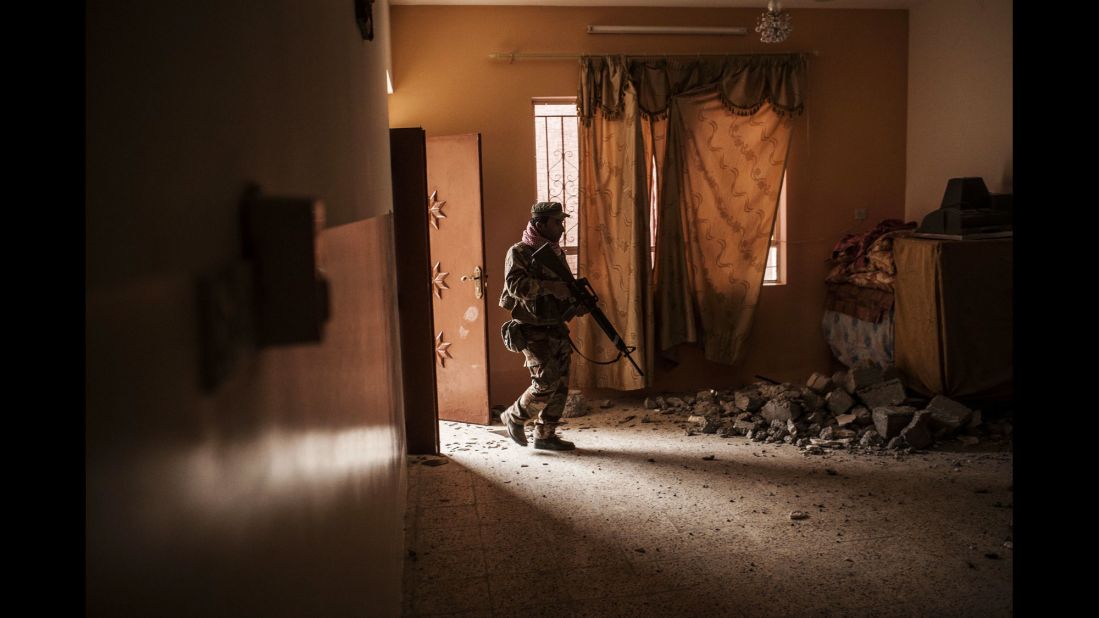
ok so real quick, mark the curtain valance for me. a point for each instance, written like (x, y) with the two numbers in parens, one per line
(743, 82)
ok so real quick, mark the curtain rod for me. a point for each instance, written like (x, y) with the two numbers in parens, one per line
(513, 56)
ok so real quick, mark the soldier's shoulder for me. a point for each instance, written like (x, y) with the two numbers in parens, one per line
(520, 249)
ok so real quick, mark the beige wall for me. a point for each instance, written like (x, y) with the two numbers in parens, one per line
(283, 493)
(959, 99)
(848, 150)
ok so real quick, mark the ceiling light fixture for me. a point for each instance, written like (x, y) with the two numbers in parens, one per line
(774, 25)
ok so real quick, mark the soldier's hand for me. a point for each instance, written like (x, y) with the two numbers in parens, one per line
(559, 289)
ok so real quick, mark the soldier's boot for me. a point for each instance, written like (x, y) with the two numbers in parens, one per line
(546, 438)
(553, 443)
(514, 426)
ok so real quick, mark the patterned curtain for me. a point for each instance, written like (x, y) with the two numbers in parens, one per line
(722, 179)
(614, 247)
(718, 129)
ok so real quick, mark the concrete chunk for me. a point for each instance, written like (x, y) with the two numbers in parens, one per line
(651, 404)
(839, 377)
(890, 372)
(704, 424)
(840, 434)
(575, 405)
(863, 375)
(820, 383)
(974, 424)
(707, 409)
(863, 415)
(897, 443)
(781, 409)
(839, 402)
(842, 443)
(705, 396)
(792, 427)
(889, 393)
(811, 400)
(871, 438)
(918, 432)
(749, 401)
(947, 413)
(845, 419)
(890, 420)
(742, 428)
(770, 391)
(790, 391)
(727, 429)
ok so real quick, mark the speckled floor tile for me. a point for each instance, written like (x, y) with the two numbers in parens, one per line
(643, 520)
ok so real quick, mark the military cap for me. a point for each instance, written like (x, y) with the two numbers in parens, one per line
(548, 209)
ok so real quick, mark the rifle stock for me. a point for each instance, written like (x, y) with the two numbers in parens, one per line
(584, 295)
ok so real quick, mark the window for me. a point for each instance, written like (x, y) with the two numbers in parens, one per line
(557, 160)
(775, 271)
(557, 171)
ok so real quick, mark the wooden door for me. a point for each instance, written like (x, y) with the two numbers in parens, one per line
(458, 277)
(408, 154)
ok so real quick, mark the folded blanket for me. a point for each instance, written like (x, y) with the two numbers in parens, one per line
(865, 303)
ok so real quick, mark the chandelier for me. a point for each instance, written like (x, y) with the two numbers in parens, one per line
(774, 25)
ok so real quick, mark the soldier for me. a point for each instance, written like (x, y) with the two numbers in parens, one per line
(538, 302)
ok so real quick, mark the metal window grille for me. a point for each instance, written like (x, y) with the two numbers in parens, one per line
(557, 147)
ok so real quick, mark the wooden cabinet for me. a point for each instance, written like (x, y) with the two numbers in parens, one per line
(954, 316)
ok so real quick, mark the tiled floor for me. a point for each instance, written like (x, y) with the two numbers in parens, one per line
(636, 523)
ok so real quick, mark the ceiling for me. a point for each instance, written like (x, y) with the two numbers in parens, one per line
(785, 4)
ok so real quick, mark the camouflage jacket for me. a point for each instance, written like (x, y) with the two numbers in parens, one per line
(523, 294)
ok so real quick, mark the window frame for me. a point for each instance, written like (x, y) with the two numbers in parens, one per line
(572, 251)
(778, 237)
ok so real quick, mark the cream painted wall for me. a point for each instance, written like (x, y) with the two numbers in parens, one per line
(848, 150)
(959, 99)
(282, 493)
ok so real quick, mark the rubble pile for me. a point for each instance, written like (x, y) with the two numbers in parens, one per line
(575, 405)
(865, 408)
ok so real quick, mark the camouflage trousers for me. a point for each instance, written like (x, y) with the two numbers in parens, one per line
(548, 354)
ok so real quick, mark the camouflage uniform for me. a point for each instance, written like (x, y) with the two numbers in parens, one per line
(548, 350)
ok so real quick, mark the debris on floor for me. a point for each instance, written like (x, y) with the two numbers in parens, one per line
(576, 405)
(863, 409)
(430, 460)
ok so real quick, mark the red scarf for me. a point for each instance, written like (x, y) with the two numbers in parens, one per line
(532, 238)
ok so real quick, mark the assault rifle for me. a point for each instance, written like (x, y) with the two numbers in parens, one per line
(583, 295)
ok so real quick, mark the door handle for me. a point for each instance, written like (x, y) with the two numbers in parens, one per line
(478, 279)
